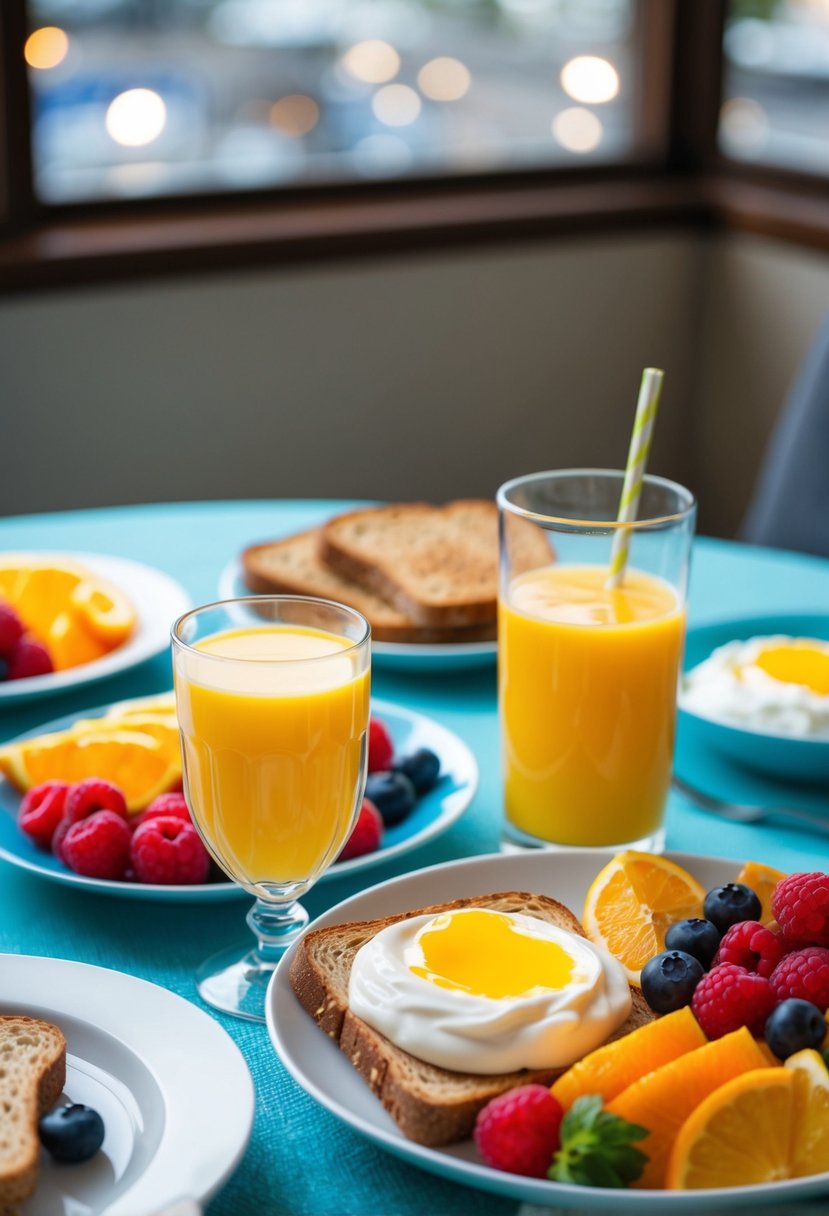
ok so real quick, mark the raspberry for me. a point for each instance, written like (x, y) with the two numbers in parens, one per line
(800, 905)
(804, 974)
(42, 810)
(729, 997)
(380, 746)
(11, 629)
(167, 850)
(98, 846)
(365, 835)
(164, 804)
(751, 945)
(94, 794)
(28, 658)
(59, 836)
(519, 1130)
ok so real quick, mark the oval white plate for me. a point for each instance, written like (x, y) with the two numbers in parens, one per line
(434, 814)
(391, 656)
(163, 1140)
(158, 601)
(318, 1065)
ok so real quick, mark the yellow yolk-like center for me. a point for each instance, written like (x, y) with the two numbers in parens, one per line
(797, 664)
(487, 954)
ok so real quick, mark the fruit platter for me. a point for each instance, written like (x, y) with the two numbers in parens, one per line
(68, 619)
(97, 801)
(709, 1078)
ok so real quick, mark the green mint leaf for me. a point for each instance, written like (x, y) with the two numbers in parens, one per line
(597, 1147)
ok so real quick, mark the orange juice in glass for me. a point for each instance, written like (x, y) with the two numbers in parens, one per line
(588, 671)
(272, 698)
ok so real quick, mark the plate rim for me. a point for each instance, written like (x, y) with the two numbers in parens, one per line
(722, 623)
(478, 1175)
(45, 977)
(227, 587)
(114, 662)
(221, 891)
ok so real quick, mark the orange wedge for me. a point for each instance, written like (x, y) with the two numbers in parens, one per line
(762, 879)
(662, 1100)
(633, 901)
(161, 727)
(103, 610)
(739, 1135)
(130, 759)
(759, 1128)
(611, 1068)
(69, 645)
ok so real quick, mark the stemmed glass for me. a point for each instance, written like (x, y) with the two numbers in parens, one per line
(272, 698)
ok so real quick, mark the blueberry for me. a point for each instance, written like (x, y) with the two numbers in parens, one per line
(669, 979)
(695, 936)
(728, 905)
(793, 1026)
(393, 794)
(421, 767)
(72, 1133)
(4, 668)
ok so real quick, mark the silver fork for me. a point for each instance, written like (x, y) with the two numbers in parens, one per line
(746, 813)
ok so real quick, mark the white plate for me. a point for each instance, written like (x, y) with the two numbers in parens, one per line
(319, 1066)
(434, 814)
(158, 601)
(124, 1058)
(392, 656)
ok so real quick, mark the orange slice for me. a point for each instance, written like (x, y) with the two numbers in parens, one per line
(103, 611)
(69, 645)
(130, 759)
(633, 901)
(160, 727)
(662, 1100)
(762, 879)
(739, 1135)
(611, 1068)
(809, 1143)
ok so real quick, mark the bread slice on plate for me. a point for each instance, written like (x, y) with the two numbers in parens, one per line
(294, 566)
(432, 1106)
(439, 565)
(32, 1076)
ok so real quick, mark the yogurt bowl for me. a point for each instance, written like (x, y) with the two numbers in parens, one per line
(788, 741)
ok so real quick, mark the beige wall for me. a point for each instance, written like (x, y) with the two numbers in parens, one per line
(427, 376)
(424, 376)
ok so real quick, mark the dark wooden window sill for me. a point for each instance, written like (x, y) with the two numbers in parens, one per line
(190, 239)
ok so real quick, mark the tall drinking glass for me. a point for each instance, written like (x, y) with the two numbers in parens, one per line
(272, 697)
(588, 670)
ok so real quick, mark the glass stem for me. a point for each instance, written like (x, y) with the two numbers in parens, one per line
(276, 926)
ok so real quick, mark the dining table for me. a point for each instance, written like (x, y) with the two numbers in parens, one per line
(300, 1159)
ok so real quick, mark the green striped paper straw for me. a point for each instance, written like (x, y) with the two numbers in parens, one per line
(640, 442)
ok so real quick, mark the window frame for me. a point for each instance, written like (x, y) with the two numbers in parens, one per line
(682, 181)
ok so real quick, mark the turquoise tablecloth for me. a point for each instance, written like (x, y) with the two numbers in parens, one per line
(301, 1160)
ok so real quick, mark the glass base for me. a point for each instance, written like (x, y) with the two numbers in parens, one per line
(235, 981)
(515, 841)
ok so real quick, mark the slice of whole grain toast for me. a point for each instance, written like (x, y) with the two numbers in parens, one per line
(293, 565)
(32, 1076)
(431, 1105)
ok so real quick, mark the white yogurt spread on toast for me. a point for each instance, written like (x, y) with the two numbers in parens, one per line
(482, 991)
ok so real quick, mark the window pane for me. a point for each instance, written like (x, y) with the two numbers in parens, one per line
(153, 97)
(776, 83)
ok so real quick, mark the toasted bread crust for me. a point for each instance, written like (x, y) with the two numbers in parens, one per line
(431, 1105)
(33, 1055)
